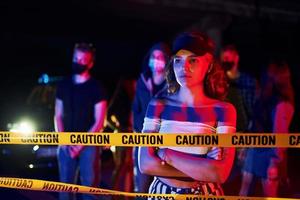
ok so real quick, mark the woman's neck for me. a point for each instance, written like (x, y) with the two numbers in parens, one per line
(192, 95)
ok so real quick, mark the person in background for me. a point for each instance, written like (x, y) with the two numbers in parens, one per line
(80, 106)
(120, 116)
(275, 110)
(242, 88)
(151, 80)
(242, 93)
(192, 103)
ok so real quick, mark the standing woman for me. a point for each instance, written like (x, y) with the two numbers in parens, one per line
(152, 80)
(193, 104)
(275, 112)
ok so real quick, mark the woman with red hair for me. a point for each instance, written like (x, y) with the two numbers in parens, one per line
(193, 103)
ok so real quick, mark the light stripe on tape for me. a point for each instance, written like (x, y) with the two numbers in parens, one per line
(51, 186)
(152, 139)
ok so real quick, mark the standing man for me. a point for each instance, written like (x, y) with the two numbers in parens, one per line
(242, 94)
(242, 89)
(80, 106)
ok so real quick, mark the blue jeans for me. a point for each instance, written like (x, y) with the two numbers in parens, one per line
(88, 163)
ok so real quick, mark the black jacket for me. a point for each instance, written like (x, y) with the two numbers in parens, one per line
(141, 100)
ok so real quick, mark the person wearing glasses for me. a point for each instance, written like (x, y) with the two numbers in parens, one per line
(192, 103)
(80, 106)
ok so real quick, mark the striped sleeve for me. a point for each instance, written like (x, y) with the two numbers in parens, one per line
(226, 124)
(226, 119)
(153, 117)
(151, 125)
(215, 153)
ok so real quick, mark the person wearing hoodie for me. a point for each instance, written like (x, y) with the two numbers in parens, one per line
(151, 81)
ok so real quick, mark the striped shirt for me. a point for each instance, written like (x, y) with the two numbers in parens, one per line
(164, 116)
(198, 120)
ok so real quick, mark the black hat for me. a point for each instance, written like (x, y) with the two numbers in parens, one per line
(196, 42)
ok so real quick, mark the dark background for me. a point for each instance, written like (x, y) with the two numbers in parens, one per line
(38, 36)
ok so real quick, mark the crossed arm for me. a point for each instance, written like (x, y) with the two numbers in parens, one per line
(180, 164)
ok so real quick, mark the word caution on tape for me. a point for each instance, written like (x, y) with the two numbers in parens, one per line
(51, 186)
(152, 139)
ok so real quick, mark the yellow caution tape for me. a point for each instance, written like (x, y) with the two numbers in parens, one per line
(152, 139)
(51, 186)
(137, 139)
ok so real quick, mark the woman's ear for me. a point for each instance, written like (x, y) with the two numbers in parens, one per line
(210, 66)
(237, 59)
(209, 57)
(91, 64)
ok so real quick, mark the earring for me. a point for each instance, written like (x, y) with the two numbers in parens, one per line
(211, 65)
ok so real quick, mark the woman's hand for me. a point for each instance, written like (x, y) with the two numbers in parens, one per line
(215, 153)
(161, 153)
(151, 162)
(273, 169)
(74, 150)
(272, 173)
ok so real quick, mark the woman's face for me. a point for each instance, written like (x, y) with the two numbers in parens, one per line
(190, 69)
(157, 62)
